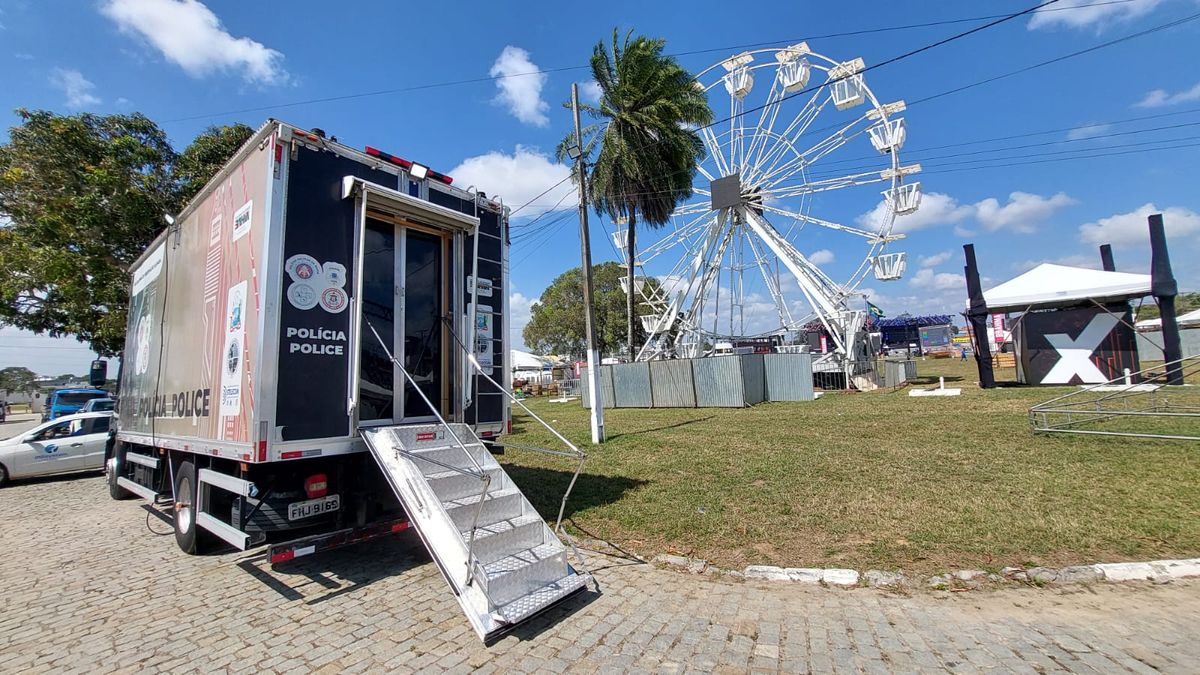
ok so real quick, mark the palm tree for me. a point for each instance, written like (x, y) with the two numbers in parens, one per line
(645, 124)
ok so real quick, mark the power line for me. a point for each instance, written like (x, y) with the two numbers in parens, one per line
(547, 71)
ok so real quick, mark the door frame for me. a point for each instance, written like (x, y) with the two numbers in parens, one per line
(400, 383)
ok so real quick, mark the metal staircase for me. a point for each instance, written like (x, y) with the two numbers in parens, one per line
(499, 557)
(502, 561)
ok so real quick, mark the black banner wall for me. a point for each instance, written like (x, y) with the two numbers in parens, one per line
(315, 351)
(1076, 346)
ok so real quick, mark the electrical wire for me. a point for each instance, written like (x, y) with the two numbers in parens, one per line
(547, 71)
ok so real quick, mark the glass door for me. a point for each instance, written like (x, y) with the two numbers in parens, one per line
(404, 298)
(424, 353)
(380, 296)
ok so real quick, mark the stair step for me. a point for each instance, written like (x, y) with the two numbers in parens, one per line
(522, 573)
(527, 605)
(448, 485)
(452, 455)
(506, 537)
(504, 504)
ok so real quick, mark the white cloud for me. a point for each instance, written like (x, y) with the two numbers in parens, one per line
(822, 257)
(1090, 13)
(22, 56)
(189, 35)
(1088, 131)
(77, 88)
(934, 260)
(1159, 98)
(590, 91)
(936, 209)
(1022, 212)
(520, 309)
(520, 84)
(1130, 229)
(940, 281)
(1073, 260)
(519, 178)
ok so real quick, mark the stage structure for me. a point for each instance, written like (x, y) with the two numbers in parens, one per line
(758, 230)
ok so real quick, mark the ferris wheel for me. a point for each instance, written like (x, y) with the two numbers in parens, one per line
(737, 259)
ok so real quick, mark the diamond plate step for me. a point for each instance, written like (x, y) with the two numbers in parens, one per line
(506, 537)
(524, 572)
(526, 606)
(499, 505)
(452, 456)
(449, 485)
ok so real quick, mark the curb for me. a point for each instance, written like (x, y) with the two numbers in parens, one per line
(1157, 571)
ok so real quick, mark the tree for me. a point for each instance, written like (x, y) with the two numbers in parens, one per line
(209, 151)
(81, 197)
(648, 150)
(1184, 302)
(16, 379)
(556, 324)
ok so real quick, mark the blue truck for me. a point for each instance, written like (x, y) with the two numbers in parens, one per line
(66, 401)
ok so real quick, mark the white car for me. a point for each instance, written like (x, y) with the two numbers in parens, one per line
(65, 445)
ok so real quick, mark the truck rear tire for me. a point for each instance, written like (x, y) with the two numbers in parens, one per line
(187, 532)
(113, 468)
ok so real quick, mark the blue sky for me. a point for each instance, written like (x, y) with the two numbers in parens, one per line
(187, 64)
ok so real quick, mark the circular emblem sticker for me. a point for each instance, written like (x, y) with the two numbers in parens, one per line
(302, 295)
(333, 300)
(142, 361)
(302, 267)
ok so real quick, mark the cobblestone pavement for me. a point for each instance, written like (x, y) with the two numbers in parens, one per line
(87, 588)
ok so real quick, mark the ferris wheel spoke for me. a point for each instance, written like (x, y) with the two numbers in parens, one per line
(818, 151)
(797, 127)
(714, 150)
(825, 185)
(866, 234)
(769, 110)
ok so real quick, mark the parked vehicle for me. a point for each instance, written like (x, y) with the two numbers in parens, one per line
(99, 404)
(65, 445)
(68, 401)
(311, 304)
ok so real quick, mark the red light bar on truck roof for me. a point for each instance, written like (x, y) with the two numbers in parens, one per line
(400, 161)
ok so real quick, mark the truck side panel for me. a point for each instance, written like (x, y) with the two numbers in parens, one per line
(315, 348)
(193, 318)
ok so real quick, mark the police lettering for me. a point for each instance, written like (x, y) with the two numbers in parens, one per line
(317, 341)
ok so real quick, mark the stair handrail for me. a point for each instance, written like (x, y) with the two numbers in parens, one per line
(574, 450)
(482, 475)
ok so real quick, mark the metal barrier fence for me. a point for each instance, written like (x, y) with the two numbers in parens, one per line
(714, 382)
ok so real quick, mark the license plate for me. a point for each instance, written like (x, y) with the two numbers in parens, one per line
(314, 507)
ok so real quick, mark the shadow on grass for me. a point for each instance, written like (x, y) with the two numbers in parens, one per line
(684, 423)
(933, 379)
(545, 487)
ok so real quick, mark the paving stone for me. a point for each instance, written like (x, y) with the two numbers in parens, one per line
(1079, 574)
(88, 589)
(880, 579)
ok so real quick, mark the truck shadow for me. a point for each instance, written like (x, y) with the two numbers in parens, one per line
(331, 574)
(545, 488)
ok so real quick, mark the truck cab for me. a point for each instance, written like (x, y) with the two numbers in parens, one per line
(69, 401)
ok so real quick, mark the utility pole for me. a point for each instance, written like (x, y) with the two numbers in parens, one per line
(585, 251)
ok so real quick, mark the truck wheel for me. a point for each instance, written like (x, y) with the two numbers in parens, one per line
(187, 534)
(113, 467)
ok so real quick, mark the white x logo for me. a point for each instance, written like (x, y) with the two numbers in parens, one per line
(1075, 355)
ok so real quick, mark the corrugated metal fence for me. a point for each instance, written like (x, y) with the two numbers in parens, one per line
(716, 382)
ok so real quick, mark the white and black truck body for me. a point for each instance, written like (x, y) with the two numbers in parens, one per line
(250, 366)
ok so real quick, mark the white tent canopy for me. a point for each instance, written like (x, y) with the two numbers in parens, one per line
(526, 361)
(1050, 285)
(1192, 318)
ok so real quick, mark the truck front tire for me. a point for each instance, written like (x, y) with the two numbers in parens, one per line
(114, 467)
(187, 534)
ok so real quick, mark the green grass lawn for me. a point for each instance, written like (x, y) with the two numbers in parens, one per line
(869, 480)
